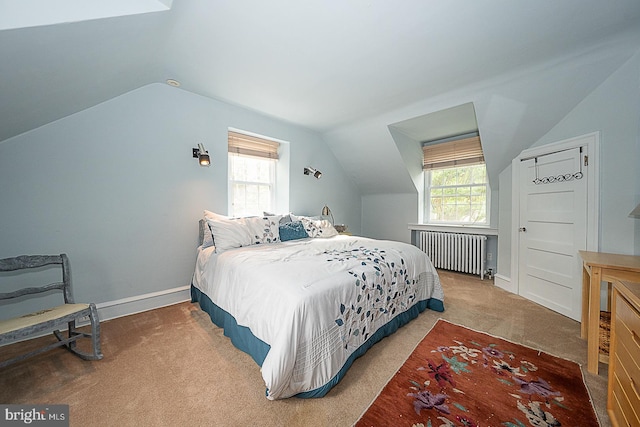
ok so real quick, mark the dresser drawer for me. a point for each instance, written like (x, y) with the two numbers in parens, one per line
(624, 378)
(631, 349)
(619, 407)
(628, 315)
(627, 387)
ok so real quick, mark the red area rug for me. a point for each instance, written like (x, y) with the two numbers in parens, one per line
(460, 377)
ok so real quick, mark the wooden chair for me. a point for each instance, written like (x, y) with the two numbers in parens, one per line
(51, 319)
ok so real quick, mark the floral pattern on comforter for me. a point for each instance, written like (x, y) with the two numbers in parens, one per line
(383, 289)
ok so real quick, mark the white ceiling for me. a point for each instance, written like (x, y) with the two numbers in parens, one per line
(332, 66)
(327, 63)
(34, 13)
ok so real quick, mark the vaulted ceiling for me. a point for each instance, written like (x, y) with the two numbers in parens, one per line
(348, 69)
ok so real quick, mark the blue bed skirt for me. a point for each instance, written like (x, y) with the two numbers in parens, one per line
(243, 339)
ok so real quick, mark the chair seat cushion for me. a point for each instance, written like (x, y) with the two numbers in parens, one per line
(41, 316)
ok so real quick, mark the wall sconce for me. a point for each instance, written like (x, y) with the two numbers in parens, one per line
(202, 155)
(311, 171)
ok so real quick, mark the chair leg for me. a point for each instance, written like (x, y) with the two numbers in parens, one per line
(71, 332)
(95, 332)
(74, 335)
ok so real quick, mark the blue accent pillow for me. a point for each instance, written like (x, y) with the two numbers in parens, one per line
(292, 231)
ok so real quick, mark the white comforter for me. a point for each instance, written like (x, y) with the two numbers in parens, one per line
(315, 301)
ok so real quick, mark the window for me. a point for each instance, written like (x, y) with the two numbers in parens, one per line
(457, 195)
(251, 185)
(456, 185)
(252, 174)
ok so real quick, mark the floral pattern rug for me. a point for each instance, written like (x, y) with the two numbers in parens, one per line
(457, 377)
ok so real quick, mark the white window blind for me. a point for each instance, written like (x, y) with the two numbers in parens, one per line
(459, 152)
(247, 145)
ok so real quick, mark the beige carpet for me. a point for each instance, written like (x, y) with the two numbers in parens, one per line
(173, 367)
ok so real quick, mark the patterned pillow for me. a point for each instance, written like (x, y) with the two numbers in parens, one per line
(318, 227)
(264, 229)
(284, 219)
(229, 233)
(292, 231)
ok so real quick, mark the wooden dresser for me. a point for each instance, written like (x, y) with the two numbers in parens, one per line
(623, 397)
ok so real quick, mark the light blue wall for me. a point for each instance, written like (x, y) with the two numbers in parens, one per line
(614, 110)
(411, 152)
(116, 188)
(387, 216)
(504, 224)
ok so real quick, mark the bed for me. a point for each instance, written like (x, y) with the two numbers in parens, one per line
(305, 307)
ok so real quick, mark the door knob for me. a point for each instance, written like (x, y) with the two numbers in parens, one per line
(522, 229)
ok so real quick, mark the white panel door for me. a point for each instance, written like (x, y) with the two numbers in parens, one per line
(552, 229)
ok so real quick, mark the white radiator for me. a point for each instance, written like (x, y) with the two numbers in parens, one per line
(454, 251)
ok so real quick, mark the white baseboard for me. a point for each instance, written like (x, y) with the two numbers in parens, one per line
(132, 305)
(504, 283)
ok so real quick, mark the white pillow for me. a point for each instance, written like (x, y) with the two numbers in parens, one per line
(207, 238)
(318, 227)
(229, 233)
(214, 216)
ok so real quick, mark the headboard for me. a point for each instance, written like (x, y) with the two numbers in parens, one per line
(201, 225)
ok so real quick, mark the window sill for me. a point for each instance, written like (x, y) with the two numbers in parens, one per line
(468, 229)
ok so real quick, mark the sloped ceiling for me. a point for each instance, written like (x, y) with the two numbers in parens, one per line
(346, 69)
(441, 124)
(49, 72)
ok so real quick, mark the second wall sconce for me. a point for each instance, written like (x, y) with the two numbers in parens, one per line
(202, 155)
(311, 171)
